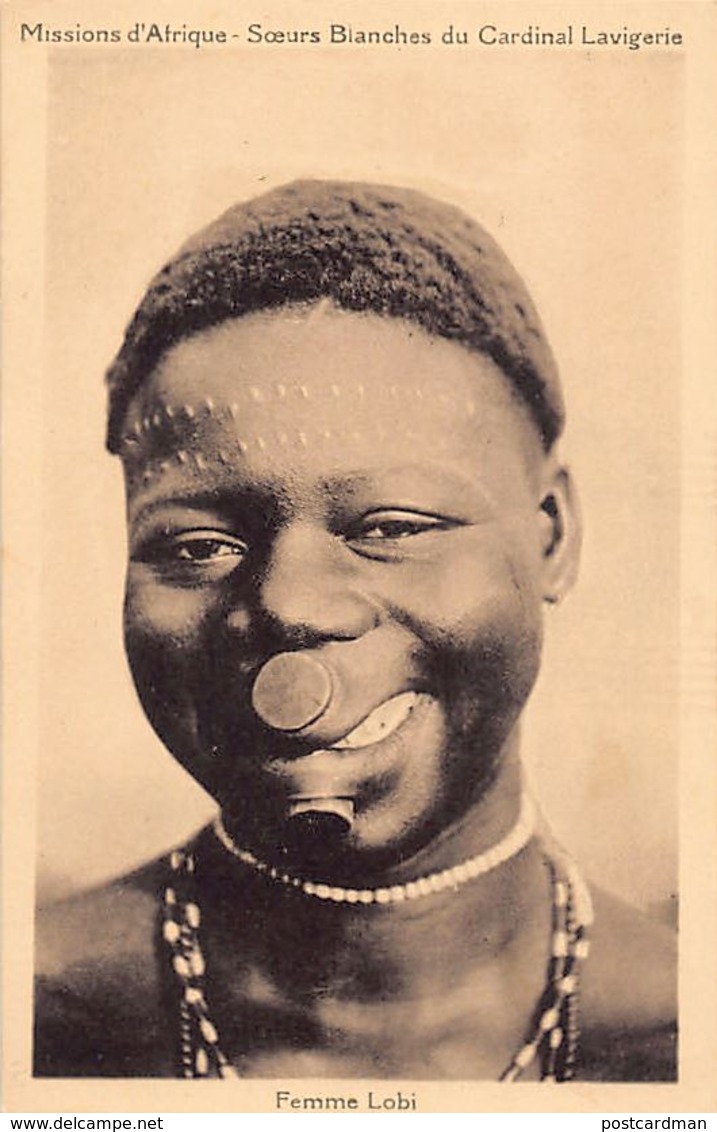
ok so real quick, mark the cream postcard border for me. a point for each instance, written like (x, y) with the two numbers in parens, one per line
(24, 150)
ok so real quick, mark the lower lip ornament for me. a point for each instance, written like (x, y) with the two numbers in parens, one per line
(341, 810)
(317, 829)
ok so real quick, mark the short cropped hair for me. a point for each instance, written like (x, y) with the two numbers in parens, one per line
(368, 248)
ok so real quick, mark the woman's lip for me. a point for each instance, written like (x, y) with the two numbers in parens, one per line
(381, 722)
(343, 771)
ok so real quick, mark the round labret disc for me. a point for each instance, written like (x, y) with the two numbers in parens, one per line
(291, 691)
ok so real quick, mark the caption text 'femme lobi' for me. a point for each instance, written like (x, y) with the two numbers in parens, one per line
(371, 1102)
(487, 35)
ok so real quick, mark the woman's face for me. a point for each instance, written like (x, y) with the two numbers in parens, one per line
(348, 487)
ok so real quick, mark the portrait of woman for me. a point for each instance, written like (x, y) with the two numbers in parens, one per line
(338, 417)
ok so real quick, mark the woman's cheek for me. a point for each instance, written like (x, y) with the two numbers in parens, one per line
(163, 641)
(165, 613)
(469, 594)
(485, 639)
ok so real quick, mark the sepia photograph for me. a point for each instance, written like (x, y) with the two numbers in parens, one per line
(366, 660)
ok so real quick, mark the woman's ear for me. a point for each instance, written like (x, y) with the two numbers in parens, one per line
(561, 531)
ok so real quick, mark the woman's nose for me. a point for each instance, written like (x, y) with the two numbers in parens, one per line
(309, 590)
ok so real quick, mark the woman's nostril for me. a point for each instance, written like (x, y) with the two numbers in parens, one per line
(239, 619)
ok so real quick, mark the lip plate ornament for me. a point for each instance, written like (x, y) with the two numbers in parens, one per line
(292, 691)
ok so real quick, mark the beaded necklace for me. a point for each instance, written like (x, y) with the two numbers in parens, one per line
(553, 1033)
(515, 840)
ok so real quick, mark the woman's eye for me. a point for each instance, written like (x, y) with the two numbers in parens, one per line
(396, 526)
(206, 549)
(193, 551)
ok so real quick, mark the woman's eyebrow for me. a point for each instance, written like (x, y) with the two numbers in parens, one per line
(221, 499)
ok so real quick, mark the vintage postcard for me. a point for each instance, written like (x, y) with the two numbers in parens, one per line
(359, 475)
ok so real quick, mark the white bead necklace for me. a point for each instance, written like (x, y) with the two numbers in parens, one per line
(515, 840)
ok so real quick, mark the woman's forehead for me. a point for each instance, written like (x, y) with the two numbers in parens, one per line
(325, 366)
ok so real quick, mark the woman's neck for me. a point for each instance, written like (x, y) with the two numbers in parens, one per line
(407, 948)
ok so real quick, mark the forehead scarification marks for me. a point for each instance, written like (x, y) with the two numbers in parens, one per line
(168, 414)
(182, 426)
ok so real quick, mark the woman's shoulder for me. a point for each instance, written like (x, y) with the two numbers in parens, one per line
(99, 994)
(629, 996)
(100, 923)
